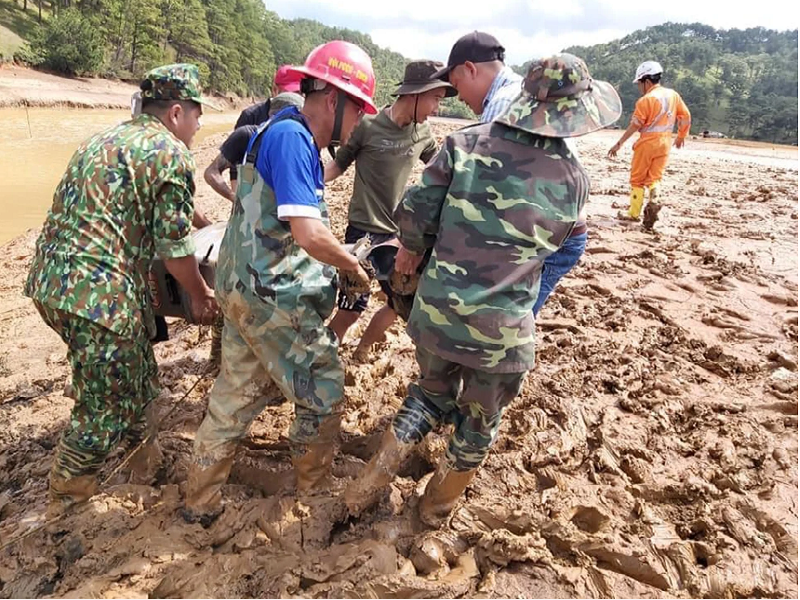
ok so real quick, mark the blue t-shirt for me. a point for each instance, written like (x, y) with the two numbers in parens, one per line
(289, 163)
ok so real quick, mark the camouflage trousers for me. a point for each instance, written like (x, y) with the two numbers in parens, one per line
(473, 401)
(114, 378)
(269, 354)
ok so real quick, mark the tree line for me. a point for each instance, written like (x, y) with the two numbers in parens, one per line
(742, 83)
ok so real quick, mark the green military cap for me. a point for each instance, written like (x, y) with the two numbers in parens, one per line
(560, 99)
(179, 81)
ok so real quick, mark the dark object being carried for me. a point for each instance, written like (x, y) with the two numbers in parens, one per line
(169, 299)
(399, 289)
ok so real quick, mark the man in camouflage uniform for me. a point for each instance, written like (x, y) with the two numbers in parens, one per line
(497, 200)
(275, 283)
(126, 196)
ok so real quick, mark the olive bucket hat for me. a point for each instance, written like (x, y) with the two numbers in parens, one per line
(560, 99)
(418, 79)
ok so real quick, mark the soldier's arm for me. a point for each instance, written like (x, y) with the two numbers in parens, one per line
(417, 215)
(171, 228)
(214, 178)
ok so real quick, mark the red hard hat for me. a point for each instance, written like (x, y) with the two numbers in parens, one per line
(285, 79)
(346, 67)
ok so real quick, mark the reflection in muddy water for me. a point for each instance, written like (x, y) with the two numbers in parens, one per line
(35, 146)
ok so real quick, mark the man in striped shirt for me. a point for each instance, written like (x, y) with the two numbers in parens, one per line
(476, 69)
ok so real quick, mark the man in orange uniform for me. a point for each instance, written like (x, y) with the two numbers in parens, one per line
(655, 116)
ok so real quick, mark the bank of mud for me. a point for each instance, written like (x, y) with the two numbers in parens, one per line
(21, 86)
(652, 452)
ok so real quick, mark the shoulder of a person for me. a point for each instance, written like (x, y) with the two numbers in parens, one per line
(468, 136)
(168, 148)
(368, 122)
(288, 129)
(242, 132)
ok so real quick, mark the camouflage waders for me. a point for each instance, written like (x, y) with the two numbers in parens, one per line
(275, 299)
(114, 379)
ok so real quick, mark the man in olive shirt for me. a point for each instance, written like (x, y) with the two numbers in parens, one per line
(385, 148)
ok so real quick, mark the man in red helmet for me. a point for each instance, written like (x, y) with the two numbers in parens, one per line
(285, 82)
(275, 282)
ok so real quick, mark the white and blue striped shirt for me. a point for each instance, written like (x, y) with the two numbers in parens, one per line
(506, 86)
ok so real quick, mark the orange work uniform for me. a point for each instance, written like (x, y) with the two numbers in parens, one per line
(656, 114)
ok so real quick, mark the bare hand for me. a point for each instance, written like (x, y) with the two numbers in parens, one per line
(199, 221)
(405, 262)
(204, 307)
(679, 142)
(613, 152)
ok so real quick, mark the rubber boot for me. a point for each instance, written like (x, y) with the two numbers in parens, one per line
(147, 458)
(65, 492)
(442, 492)
(312, 462)
(203, 501)
(651, 215)
(366, 489)
(637, 201)
(653, 191)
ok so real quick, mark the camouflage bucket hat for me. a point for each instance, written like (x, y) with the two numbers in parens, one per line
(174, 82)
(560, 99)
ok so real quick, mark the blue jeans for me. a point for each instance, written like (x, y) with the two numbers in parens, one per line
(558, 264)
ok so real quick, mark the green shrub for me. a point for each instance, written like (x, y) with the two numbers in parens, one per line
(69, 43)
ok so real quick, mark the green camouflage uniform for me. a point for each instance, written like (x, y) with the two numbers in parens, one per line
(275, 298)
(497, 200)
(126, 196)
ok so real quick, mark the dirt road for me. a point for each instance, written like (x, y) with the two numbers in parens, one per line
(652, 453)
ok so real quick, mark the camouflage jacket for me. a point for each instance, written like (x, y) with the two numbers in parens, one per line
(126, 196)
(493, 204)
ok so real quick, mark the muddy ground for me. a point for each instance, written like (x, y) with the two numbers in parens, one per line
(652, 453)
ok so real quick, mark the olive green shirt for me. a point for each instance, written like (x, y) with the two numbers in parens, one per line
(384, 155)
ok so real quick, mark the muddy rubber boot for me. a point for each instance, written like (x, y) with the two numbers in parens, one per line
(442, 492)
(203, 501)
(653, 191)
(145, 463)
(66, 493)
(651, 215)
(637, 201)
(312, 462)
(147, 458)
(366, 489)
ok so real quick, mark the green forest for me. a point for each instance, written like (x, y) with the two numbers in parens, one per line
(742, 83)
